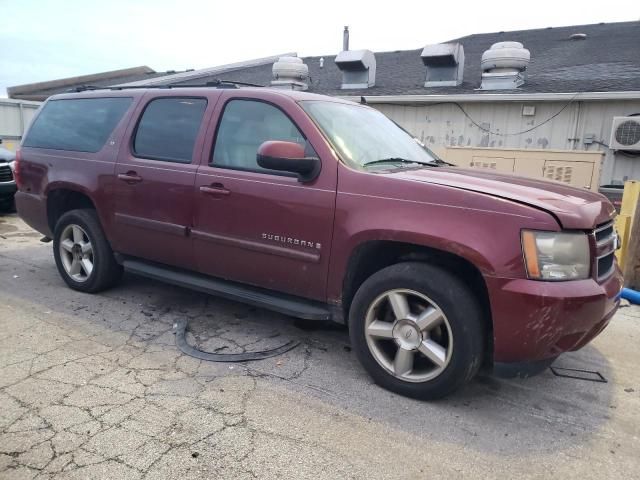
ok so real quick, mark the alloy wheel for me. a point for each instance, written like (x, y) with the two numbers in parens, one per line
(408, 335)
(76, 253)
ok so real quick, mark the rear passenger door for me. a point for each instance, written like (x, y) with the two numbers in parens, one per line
(155, 176)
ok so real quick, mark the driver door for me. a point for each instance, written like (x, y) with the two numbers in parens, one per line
(257, 226)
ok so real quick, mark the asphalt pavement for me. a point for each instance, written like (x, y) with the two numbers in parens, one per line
(93, 386)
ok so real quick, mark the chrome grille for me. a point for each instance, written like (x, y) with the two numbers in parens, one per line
(5, 173)
(606, 244)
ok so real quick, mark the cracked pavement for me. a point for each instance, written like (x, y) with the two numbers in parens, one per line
(92, 386)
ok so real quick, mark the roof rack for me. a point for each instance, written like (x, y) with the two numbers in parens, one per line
(216, 83)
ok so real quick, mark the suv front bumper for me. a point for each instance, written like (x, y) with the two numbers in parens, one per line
(7, 189)
(535, 321)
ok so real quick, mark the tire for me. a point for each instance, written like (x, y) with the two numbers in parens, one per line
(73, 232)
(437, 301)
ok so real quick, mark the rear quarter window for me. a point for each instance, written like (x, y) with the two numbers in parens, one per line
(79, 125)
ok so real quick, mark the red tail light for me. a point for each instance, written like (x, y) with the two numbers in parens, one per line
(16, 168)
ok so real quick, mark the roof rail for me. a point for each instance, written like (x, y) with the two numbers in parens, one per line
(216, 83)
(82, 88)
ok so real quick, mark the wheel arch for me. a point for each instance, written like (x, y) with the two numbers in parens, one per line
(64, 198)
(371, 256)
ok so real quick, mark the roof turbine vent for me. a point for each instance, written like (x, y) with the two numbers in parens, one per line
(504, 66)
(290, 73)
(445, 64)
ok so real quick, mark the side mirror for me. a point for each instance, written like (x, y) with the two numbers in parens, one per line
(288, 157)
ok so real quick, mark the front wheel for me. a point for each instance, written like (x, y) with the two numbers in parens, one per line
(417, 330)
(83, 255)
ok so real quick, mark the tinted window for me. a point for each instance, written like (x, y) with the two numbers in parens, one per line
(168, 129)
(81, 125)
(245, 125)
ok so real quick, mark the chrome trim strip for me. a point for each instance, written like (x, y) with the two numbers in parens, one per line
(608, 273)
(603, 227)
(261, 247)
(147, 223)
(610, 240)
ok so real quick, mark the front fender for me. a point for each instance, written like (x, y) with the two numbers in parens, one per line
(487, 238)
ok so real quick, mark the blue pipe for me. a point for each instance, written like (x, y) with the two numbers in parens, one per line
(632, 295)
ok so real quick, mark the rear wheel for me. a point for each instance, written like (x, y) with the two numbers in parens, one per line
(83, 256)
(417, 330)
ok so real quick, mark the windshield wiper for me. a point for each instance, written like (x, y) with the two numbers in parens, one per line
(439, 161)
(399, 160)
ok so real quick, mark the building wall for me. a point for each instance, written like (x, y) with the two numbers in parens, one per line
(15, 116)
(439, 125)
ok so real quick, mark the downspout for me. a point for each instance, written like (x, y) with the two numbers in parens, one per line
(21, 108)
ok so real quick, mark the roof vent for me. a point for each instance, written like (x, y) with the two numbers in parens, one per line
(358, 68)
(504, 66)
(445, 64)
(578, 36)
(290, 73)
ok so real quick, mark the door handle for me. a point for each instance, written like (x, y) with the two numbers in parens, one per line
(216, 189)
(129, 177)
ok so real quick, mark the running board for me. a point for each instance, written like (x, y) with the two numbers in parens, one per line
(258, 297)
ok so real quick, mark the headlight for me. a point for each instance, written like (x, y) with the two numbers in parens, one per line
(556, 255)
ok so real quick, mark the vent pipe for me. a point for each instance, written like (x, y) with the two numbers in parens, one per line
(345, 39)
(290, 73)
(504, 66)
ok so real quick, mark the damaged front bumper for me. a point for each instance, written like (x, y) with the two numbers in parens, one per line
(535, 321)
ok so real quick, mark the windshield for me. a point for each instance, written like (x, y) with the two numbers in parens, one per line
(362, 136)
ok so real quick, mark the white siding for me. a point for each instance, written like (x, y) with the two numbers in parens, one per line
(446, 125)
(15, 117)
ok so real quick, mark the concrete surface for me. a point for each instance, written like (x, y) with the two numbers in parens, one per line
(92, 386)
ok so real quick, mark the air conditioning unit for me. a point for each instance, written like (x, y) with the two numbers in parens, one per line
(625, 133)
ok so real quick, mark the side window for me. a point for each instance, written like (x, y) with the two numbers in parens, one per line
(244, 126)
(168, 129)
(77, 125)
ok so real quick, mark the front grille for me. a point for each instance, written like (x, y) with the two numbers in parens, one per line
(606, 244)
(5, 173)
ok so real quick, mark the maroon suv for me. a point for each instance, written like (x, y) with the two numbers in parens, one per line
(322, 209)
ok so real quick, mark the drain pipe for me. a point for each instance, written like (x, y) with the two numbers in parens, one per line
(632, 295)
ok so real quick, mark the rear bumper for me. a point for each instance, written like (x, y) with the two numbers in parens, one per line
(535, 321)
(33, 210)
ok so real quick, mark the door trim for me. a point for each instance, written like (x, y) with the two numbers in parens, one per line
(140, 222)
(261, 247)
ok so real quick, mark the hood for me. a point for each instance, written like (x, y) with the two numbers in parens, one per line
(573, 207)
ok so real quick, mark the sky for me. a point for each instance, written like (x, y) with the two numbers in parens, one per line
(44, 40)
